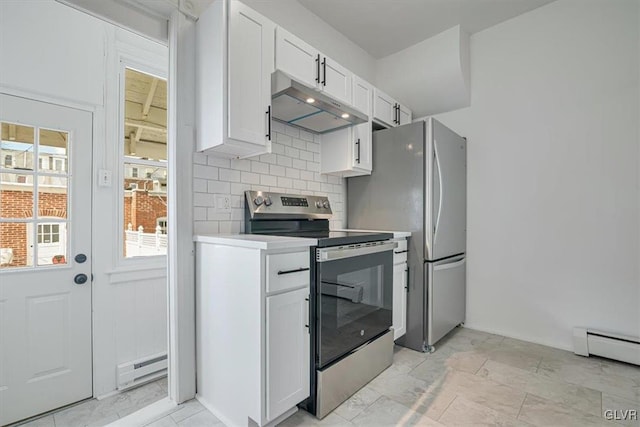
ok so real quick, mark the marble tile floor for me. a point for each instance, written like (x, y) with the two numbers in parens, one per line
(94, 413)
(473, 379)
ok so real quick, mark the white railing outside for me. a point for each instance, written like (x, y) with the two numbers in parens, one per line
(139, 243)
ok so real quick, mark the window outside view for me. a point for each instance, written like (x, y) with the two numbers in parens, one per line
(145, 165)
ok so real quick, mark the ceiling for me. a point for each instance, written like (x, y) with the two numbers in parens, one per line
(145, 115)
(383, 27)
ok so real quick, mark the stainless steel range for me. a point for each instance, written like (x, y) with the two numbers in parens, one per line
(351, 294)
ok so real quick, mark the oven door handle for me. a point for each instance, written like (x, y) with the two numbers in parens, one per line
(331, 254)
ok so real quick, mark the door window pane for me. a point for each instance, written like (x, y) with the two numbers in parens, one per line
(52, 151)
(16, 195)
(16, 248)
(16, 146)
(52, 197)
(52, 243)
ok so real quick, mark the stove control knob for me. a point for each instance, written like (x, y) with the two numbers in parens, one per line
(319, 204)
(267, 201)
(325, 204)
(258, 201)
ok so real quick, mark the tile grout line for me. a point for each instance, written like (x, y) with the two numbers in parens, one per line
(521, 405)
(445, 409)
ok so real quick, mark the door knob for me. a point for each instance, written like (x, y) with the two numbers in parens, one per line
(80, 258)
(80, 279)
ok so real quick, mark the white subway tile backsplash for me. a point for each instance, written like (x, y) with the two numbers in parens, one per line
(268, 180)
(277, 170)
(293, 173)
(293, 166)
(218, 187)
(259, 167)
(284, 160)
(250, 178)
(285, 182)
(306, 155)
(230, 175)
(299, 164)
(207, 172)
(241, 164)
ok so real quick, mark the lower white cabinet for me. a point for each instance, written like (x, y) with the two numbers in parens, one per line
(400, 288)
(252, 331)
(400, 273)
(287, 351)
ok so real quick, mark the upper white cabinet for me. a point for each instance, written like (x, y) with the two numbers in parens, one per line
(297, 59)
(404, 115)
(348, 152)
(388, 112)
(362, 95)
(234, 54)
(310, 67)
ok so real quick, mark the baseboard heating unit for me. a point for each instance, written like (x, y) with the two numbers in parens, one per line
(624, 348)
(142, 370)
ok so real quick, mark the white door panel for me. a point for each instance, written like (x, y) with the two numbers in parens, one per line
(45, 317)
(336, 80)
(297, 59)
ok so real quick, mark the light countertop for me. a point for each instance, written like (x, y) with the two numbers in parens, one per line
(396, 234)
(256, 241)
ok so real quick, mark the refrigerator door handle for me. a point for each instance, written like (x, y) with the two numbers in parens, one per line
(437, 158)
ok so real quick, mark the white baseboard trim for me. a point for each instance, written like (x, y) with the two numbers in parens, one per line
(146, 415)
(517, 337)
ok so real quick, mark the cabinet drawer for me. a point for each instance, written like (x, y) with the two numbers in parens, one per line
(400, 253)
(287, 271)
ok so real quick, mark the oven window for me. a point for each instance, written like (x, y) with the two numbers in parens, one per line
(355, 302)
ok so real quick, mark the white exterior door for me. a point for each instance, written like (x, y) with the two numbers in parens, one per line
(45, 258)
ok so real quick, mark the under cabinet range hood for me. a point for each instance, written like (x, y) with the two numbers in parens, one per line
(298, 105)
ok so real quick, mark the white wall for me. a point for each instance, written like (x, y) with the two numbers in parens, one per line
(431, 76)
(301, 22)
(292, 167)
(553, 213)
(64, 56)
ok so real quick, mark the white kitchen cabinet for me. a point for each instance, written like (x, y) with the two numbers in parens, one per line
(297, 59)
(400, 288)
(287, 350)
(388, 112)
(234, 54)
(347, 152)
(404, 115)
(308, 66)
(362, 95)
(252, 334)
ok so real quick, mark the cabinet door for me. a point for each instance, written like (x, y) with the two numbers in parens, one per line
(362, 146)
(336, 80)
(362, 95)
(297, 59)
(383, 108)
(250, 53)
(399, 300)
(287, 337)
(405, 115)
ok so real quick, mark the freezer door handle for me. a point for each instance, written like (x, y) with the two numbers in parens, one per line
(456, 262)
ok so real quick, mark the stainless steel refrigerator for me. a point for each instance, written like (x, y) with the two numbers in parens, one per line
(419, 184)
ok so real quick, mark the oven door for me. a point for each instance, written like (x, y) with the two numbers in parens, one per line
(354, 296)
